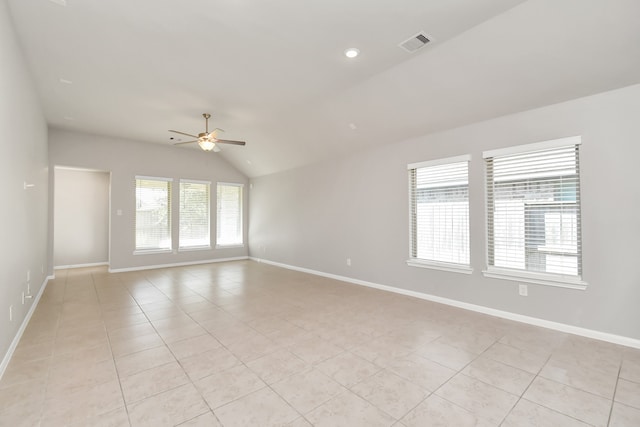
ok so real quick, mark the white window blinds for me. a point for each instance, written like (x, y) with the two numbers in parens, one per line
(533, 208)
(194, 214)
(153, 214)
(229, 215)
(439, 210)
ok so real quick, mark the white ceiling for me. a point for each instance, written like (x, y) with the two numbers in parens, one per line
(273, 72)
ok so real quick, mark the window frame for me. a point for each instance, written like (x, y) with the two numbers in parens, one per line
(240, 214)
(194, 247)
(428, 263)
(144, 251)
(528, 276)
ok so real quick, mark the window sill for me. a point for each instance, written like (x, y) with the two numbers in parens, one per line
(231, 246)
(455, 268)
(537, 278)
(151, 251)
(194, 248)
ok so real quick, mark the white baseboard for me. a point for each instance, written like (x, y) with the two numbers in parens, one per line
(92, 264)
(562, 327)
(23, 326)
(177, 264)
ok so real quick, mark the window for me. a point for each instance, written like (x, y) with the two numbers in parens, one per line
(194, 214)
(229, 221)
(439, 209)
(533, 212)
(153, 214)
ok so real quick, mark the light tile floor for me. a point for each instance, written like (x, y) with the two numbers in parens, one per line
(247, 344)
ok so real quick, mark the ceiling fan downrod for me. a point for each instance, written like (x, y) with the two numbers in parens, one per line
(206, 116)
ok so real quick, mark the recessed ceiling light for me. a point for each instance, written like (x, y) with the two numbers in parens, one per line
(65, 81)
(248, 162)
(352, 52)
(353, 126)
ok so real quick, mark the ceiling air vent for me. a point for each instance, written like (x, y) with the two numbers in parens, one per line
(416, 42)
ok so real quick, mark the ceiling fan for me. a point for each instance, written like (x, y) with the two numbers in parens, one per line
(207, 140)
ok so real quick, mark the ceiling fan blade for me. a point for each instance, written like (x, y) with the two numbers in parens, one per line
(184, 142)
(214, 133)
(228, 141)
(182, 133)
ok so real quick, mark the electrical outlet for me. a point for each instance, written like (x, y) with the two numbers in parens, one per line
(11, 313)
(349, 262)
(523, 290)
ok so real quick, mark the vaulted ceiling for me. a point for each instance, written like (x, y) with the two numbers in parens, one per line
(273, 72)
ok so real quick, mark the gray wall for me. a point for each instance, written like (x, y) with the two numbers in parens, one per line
(81, 217)
(357, 207)
(125, 159)
(23, 157)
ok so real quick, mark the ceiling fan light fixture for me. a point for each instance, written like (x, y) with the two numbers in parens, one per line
(206, 144)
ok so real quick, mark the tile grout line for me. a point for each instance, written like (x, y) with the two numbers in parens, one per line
(126, 405)
(565, 385)
(615, 391)
(241, 362)
(113, 359)
(55, 339)
(433, 393)
(527, 388)
(172, 354)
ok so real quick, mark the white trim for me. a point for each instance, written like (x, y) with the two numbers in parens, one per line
(232, 184)
(194, 248)
(537, 278)
(444, 266)
(230, 246)
(456, 159)
(78, 169)
(23, 326)
(195, 181)
(91, 264)
(152, 251)
(176, 264)
(562, 327)
(536, 146)
(154, 178)
(110, 220)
